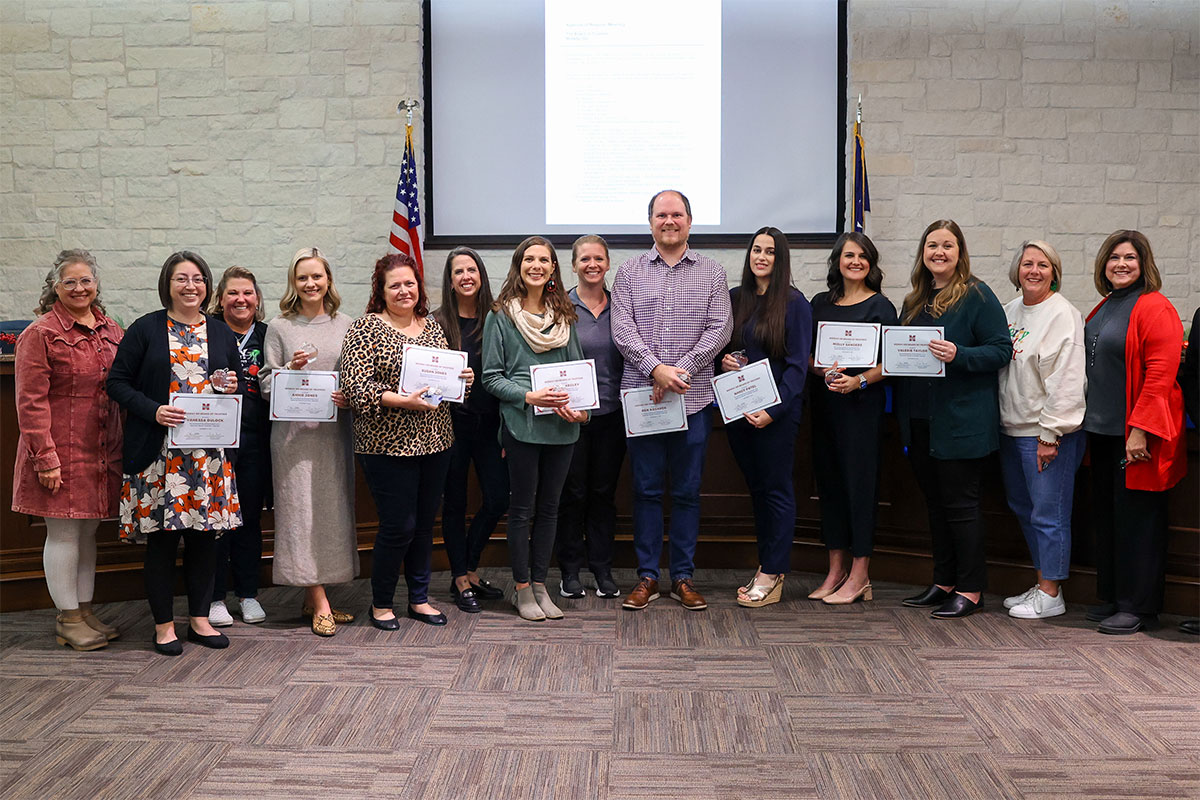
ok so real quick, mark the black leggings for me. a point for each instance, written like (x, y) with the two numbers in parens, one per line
(199, 561)
(536, 473)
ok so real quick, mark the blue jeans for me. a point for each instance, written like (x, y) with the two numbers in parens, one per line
(650, 459)
(1042, 500)
(765, 456)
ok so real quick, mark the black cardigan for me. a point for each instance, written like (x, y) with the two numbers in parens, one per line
(140, 380)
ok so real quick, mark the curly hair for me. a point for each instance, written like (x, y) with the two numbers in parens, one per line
(377, 303)
(65, 259)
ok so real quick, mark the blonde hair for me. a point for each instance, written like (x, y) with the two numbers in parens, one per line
(289, 306)
(1051, 255)
(922, 279)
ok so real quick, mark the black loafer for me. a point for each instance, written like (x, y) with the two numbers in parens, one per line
(1124, 623)
(957, 606)
(486, 590)
(465, 599)
(218, 642)
(429, 619)
(932, 597)
(171, 648)
(391, 624)
(1101, 612)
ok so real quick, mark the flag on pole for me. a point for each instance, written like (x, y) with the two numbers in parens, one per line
(406, 218)
(862, 194)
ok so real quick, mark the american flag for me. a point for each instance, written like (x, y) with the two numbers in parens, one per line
(406, 219)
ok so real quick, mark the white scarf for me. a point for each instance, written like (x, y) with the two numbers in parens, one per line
(541, 333)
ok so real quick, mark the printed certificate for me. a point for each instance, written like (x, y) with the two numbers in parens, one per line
(906, 351)
(213, 420)
(300, 395)
(749, 389)
(438, 369)
(576, 378)
(644, 417)
(850, 344)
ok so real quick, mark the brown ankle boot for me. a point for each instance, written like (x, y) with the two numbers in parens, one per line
(71, 629)
(110, 631)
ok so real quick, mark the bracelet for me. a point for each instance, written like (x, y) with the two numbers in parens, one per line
(1047, 444)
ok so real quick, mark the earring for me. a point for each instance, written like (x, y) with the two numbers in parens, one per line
(551, 285)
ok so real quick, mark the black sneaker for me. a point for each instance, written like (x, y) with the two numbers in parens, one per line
(606, 586)
(570, 586)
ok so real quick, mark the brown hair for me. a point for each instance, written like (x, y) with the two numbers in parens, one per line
(770, 321)
(514, 285)
(922, 279)
(215, 307)
(377, 302)
(168, 272)
(447, 313)
(1152, 280)
(65, 259)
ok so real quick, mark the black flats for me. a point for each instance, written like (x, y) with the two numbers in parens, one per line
(428, 619)
(390, 624)
(485, 590)
(217, 642)
(932, 597)
(171, 648)
(957, 606)
(465, 599)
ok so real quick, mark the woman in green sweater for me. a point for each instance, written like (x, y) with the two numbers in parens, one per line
(533, 323)
(951, 424)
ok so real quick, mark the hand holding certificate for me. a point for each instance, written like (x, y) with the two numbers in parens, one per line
(644, 417)
(906, 351)
(303, 395)
(210, 420)
(749, 389)
(440, 370)
(849, 344)
(576, 379)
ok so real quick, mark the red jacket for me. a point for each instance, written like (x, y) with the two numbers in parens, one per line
(1153, 399)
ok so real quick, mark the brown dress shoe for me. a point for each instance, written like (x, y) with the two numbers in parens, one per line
(71, 630)
(642, 594)
(687, 596)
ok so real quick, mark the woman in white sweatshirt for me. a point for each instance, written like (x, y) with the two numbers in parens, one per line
(1041, 414)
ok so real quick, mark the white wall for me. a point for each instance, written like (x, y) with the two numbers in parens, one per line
(246, 129)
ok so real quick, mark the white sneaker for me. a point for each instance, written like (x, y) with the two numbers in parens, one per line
(1018, 599)
(252, 610)
(219, 616)
(1040, 606)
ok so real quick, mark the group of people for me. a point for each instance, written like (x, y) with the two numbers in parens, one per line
(1029, 379)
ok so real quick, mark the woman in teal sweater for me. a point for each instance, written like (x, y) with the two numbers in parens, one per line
(533, 323)
(951, 424)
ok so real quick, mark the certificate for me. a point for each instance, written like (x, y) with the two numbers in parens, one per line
(576, 378)
(644, 417)
(437, 369)
(301, 395)
(744, 391)
(906, 351)
(213, 420)
(850, 344)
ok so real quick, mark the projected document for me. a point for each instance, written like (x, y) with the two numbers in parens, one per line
(633, 105)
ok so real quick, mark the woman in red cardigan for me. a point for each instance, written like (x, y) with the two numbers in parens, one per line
(1134, 421)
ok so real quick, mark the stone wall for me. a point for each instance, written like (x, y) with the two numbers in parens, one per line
(249, 128)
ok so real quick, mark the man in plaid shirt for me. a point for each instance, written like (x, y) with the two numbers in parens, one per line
(670, 318)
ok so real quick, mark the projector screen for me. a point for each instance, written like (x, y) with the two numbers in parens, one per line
(563, 117)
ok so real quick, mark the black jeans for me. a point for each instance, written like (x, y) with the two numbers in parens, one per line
(407, 491)
(587, 509)
(536, 473)
(199, 557)
(1131, 533)
(475, 440)
(240, 551)
(846, 435)
(765, 456)
(951, 489)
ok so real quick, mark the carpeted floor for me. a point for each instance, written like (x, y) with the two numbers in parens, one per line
(797, 700)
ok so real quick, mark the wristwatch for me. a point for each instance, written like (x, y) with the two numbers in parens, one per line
(862, 381)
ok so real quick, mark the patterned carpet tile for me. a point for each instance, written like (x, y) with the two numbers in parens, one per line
(1077, 724)
(549, 668)
(115, 662)
(667, 624)
(488, 720)
(1176, 719)
(339, 717)
(661, 776)
(905, 776)
(651, 668)
(983, 630)
(74, 769)
(248, 661)
(1157, 668)
(881, 724)
(1106, 778)
(499, 624)
(732, 721)
(450, 773)
(337, 663)
(838, 669)
(34, 708)
(305, 774)
(174, 713)
(816, 623)
(1018, 670)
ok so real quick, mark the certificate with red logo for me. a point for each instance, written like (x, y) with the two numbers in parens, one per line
(303, 395)
(437, 369)
(576, 378)
(744, 391)
(906, 351)
(213, 420)
(849, 344)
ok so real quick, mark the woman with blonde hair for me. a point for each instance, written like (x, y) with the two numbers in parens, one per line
(312, 462)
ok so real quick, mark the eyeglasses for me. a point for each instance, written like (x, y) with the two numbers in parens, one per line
(83, 283)
(184, 280)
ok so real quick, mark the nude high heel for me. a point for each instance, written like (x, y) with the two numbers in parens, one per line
(821, 594)
(845, 600)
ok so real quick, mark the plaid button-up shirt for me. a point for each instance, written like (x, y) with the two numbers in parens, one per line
(679, 316)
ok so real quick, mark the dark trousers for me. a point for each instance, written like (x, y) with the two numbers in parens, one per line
(199, 557)
(587, 510)
(846, 434)
(765, 456)
(407, 491)
(1131, 533)
(536, 473)
(240, 551)
(475, 440)
(951, 489)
